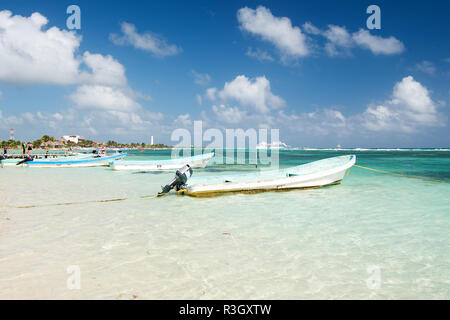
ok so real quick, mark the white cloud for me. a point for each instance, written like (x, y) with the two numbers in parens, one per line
(410, 109)
(288, 39)
(336, 115)
(228, 114)
(99, 97)
(259, 54)
(199, 99)
(201, 79)
(376, 44)
(337, 37)
(184, 120)
(105, 93)
(126, 117)
(381, 118)
(95, 124)
(211, 93)
(256, 104)
(13, 120)
(308, 27)
(105, 70)
(28, 116)
(30, 54)
(254, 93)
(321, 122)
(412, 94)
(426, 66)
(147, 41)
(58, 116)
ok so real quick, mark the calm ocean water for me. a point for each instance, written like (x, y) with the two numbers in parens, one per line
(375, 236)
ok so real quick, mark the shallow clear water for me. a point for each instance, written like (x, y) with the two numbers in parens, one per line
(375, 236)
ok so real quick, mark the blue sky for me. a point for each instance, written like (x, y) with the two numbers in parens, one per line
(311, 69)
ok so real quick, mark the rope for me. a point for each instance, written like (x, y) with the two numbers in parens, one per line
(398, 174)
(162, 194)
(83, 202)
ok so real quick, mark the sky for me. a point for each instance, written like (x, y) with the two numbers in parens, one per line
(313, 70)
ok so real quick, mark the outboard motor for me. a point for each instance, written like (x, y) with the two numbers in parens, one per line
(179, 182)
(27, 159)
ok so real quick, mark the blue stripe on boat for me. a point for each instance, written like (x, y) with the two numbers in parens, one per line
(80, 161)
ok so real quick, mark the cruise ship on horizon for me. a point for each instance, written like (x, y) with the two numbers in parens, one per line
(273, 145)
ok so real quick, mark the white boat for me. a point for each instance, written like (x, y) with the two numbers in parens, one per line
(199, 161)
(311, 175)
(274, 145)
(12, 162)
(91, 161)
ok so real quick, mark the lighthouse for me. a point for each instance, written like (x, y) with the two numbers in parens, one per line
(11, 134)
(151, 140)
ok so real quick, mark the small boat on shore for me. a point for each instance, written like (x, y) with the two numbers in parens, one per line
(199, 161)
(79, 161)
(13, 160)
(311, 175)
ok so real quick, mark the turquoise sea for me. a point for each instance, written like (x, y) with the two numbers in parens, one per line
(375, 236)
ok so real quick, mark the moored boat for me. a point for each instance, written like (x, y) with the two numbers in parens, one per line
(88, 161)
(199, 161)
(311, 175)
(13, 161)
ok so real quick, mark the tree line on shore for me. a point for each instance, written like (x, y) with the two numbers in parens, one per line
(47, 141)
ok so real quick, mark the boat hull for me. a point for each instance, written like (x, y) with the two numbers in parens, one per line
(9, 162)
(76, 163)
(317, 179)
(195, 162)
(13, 162)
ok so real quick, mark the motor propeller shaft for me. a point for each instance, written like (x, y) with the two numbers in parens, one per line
(27, 159)
(179, 181)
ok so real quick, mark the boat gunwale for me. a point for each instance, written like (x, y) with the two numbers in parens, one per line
(351, 161)
(200, 157)
(208, 194)
(87, 160)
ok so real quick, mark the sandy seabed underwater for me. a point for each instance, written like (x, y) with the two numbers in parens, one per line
(375, 236)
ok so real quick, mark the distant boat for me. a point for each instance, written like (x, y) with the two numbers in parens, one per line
(12, 162)
(199, 161)
(273, 145)
(311, 175)
(81, 161)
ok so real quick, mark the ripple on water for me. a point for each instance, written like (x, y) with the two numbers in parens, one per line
(323, 243)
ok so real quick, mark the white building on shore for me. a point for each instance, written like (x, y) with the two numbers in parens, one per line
(72, 138)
